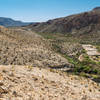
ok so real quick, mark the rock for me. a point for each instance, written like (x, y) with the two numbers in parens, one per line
(1, 77)
(3, 91)
(81, 58)
(14, 93)
(1, 83)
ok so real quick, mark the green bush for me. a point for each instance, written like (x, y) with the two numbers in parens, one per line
(85, 69)
(98, 48)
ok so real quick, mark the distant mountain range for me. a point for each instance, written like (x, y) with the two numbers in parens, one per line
(83, 23)
(7, 22)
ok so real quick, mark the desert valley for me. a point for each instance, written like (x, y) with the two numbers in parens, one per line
(54, 60)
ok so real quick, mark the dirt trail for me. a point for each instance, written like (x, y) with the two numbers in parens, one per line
(27, 83)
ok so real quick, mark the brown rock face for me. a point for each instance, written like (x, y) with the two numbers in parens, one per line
(88, 22)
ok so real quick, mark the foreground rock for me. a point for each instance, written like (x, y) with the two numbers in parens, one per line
(27, 83)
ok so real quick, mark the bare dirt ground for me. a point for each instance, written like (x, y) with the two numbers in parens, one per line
(26, 83)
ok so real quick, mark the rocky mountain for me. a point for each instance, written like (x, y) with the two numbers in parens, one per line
(10, 22)
(87, 22)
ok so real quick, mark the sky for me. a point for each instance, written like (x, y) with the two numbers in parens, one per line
(43, 10)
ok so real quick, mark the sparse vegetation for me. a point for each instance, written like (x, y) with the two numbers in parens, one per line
(98, 48)
(86, 66)
(71, 50)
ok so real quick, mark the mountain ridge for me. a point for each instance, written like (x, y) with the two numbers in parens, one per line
(9, 22)
(78, 23)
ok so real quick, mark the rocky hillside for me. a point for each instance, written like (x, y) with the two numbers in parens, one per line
(26, 83)
(67, 36)
(21, 47)
(83, 23)
(26, 59)
(10, 22)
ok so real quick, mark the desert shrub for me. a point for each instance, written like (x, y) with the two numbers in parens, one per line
(98, 48)
(86, 66)
(99, 63)
(86, 69)
(87, 60)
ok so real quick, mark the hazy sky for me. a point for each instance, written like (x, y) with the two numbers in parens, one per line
(42, 10)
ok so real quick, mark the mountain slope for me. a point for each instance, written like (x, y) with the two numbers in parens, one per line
(71, 33)
(21, 47)
(88, 22)
(10, 22)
